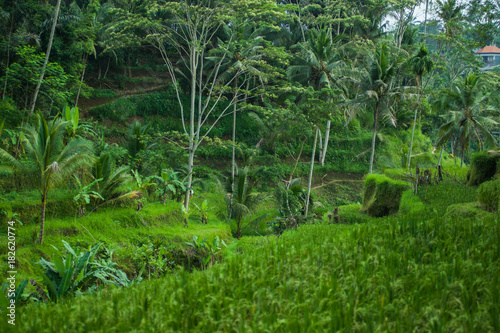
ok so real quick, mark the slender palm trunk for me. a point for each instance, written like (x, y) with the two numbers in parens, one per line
(325, 146)
(233, 153)
(414, 124)
(374, 136)
(81, 81)
(320, 146)
(296, 162)
(309, 183)
(47, 55)
(42, 220)
(440, 156)
(8, 57)
(425, 18)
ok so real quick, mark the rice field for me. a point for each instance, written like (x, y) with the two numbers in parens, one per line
(419, 273)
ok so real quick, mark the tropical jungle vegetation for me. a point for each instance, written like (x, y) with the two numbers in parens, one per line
(250, 165)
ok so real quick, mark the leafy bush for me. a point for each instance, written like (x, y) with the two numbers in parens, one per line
(382, 195)
(270, 175)
(208, 251)
(488, 195)
(82, 272)
(154, 258)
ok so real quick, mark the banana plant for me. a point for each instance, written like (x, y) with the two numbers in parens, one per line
(76, 273)
(203, 209)
(66, 275)
(142, 183)
(72, 116)
(84, 194)
(18, 296)
(168, 182)
(211, 249)
(185, 213)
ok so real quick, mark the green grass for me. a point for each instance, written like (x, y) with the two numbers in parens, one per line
(121, 228)
(389, 275)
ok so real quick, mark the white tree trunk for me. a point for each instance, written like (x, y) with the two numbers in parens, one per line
(374, 136)
(325, 146)
(47, 55)
(414, 123)
(191, 126)
(440, 156)
(320, 145)
(311, 173)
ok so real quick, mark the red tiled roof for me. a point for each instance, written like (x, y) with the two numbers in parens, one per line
(489, 49)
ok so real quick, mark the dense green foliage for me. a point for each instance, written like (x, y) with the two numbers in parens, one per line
(218, 148)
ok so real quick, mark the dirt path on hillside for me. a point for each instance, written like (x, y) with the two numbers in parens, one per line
(338, 181)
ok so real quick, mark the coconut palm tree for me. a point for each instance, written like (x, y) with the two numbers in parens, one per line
(378, 91)
(319, 65)
(450, 11)
(47, 55)
(470, 115)
(420, 63)
(51, 160)
(110, 184)
(242, 61)
(244, 198)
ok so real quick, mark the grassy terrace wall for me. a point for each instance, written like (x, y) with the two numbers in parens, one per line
(488, 195)
(382, 195)
(484, 167)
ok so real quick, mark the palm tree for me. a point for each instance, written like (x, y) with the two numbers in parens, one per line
(378, 90)
(420, 64)
(242, 61)
(320, 66)
(110, 183)
(451, 13)
(47, 55)
(244, 198)
(50, 159)
(469, 111)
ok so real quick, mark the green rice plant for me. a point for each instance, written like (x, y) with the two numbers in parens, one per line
(395, 275)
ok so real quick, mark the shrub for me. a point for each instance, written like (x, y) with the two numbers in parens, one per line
(489, 195)
(459, 212)
(382, 195)
(482, 168)
(76, 273)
